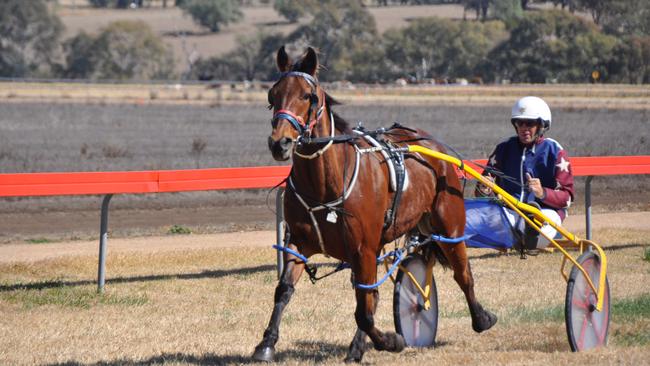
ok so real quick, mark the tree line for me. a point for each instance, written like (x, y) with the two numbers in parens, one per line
(508, 43)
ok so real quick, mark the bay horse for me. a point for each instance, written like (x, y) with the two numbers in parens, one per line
(336, 200)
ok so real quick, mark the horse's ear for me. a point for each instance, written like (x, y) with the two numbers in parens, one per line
(283, 60)
(309, 62)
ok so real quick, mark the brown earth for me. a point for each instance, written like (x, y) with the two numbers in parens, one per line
(19, 251)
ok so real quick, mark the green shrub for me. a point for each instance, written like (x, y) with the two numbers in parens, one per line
(179, 230)
(38, 240)
(212, 14)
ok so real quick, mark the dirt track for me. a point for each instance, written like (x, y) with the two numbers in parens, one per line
(23, 252)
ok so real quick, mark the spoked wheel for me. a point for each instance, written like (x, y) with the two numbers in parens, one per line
(416, 324)
(586, 327)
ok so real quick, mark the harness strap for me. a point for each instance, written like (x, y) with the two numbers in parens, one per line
(329, 205)
(297, 121)
(400, 178)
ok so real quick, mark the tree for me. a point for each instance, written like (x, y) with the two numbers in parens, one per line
(631, 61)
(435, 47)
(293, 10)
(480, 6)
(339, 28)
(212, 14)
(123, 50)
(252, 59)
(597, 8)
(507, 10)
(627, 17)
(550, 46)
(29, 38)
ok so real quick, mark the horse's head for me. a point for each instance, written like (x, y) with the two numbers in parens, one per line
(297, 102)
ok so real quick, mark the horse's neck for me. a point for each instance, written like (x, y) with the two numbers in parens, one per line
(322, 177)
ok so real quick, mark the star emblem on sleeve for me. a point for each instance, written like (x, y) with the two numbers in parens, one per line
(563, 165)
(492, 161)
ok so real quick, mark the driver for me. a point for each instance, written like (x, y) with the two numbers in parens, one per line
(536, 170)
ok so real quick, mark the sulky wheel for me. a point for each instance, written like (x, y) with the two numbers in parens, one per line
(586, 327)
(417, 325)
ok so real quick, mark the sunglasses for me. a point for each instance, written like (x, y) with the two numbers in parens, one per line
(525, 122)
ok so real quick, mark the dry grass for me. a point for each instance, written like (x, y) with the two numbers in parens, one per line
(211, 306)
(578, 96)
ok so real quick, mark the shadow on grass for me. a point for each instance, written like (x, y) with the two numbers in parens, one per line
(207, 359)
(163, 277)
(304, 352)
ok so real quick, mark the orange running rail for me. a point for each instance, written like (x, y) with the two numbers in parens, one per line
(49, 184)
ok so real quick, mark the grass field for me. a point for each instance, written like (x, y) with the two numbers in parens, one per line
(207, 306)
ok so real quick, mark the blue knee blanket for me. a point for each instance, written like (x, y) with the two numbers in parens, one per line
(487, 225)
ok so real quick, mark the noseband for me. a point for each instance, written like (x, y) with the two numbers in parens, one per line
(303, 128)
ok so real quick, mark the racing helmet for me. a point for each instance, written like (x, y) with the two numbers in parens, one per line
(532, 108)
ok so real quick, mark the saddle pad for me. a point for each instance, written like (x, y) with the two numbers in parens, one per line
(389, 162)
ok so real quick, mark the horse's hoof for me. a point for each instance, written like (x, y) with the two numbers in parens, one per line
(400, 343)
(484, 322)
(393, 342)
(353, 358)
(355, 354)
(264, 353)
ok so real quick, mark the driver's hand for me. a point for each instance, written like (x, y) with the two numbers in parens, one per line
(535, 186)
(484, 190)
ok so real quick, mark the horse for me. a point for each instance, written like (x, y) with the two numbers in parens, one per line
(336, 199)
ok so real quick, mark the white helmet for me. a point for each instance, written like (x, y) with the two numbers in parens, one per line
(532, 108)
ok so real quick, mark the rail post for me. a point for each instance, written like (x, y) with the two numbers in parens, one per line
(588, 205)
(103, 238)
(279, 228)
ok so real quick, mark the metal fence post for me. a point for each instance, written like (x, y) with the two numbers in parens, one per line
(279, 228)
(103, 238)
(588, 206)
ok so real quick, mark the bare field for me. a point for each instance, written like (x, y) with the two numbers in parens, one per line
(209, 304)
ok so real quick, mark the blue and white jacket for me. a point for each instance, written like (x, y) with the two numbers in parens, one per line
(546, 160)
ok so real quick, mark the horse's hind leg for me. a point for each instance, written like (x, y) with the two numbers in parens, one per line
(265, 350)
(357, 347)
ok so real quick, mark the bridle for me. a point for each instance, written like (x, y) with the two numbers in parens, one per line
(303, 127)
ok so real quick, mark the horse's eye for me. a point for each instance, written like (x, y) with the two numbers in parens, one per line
(306, 96)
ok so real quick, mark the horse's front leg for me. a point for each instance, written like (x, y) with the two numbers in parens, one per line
(265, 350)
(357, 347)
(365, 270)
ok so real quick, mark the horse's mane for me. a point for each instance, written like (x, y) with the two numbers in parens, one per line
(339, 123)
